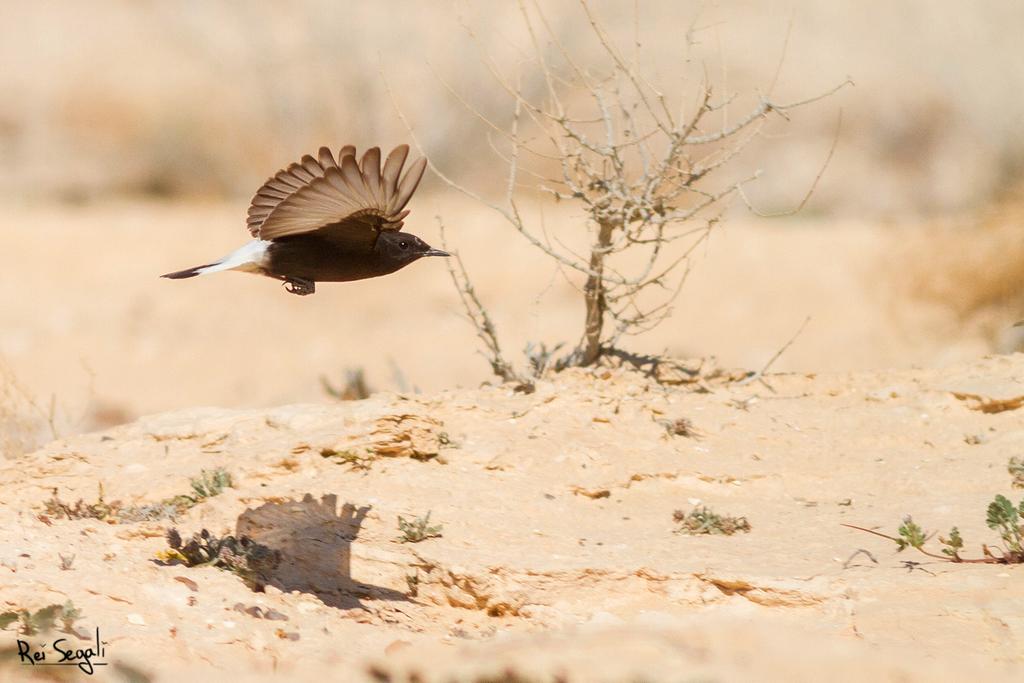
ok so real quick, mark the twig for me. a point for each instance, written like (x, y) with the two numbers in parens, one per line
(782, 53)
(754, 376)
(860, 551)
(477, 314)
(814, 184)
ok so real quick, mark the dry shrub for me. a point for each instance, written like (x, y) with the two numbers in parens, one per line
(649, 163)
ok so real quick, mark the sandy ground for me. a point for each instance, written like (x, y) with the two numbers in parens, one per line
(557, 555)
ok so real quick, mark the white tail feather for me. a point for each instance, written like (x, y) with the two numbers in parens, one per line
(249, 257)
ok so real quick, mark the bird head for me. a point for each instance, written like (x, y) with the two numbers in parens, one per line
(404, 248)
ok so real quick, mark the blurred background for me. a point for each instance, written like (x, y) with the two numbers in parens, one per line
(134, 133)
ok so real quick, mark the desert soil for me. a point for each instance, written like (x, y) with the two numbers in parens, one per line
(558, 553)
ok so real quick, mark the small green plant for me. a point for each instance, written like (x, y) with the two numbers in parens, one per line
(171, 508)
(418, 529)
(910, 534)
(1001, 516)
(1016, 469)
(1004, 518)
(701, 520)
(42, 620)
(954, 544)
(253, 562)
(69, 614)
(209, 483)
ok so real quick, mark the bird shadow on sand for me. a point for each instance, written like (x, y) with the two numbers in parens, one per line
(315, 539)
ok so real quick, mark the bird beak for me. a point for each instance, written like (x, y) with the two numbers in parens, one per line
(435, 252)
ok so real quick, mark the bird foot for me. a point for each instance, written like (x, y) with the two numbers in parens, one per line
(299, 287)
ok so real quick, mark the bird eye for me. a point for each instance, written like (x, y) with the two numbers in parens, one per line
(403, 244)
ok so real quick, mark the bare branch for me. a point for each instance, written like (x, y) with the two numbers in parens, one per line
(814, 184)
(630, 73)
(761, 110)
(477, 313)
(759, 375)
(782, 53)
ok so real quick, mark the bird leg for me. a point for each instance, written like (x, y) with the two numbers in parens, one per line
(299, 286)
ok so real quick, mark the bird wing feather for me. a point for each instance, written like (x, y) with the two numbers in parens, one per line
(348, 200)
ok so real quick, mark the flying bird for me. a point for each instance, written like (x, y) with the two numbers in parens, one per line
(327, 220)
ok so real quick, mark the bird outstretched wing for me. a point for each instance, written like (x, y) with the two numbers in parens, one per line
(346, 200)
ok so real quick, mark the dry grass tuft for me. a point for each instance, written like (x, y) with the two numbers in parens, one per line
(702, 520)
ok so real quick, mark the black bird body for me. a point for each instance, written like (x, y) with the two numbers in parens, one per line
(321, 220)
(317, 257)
